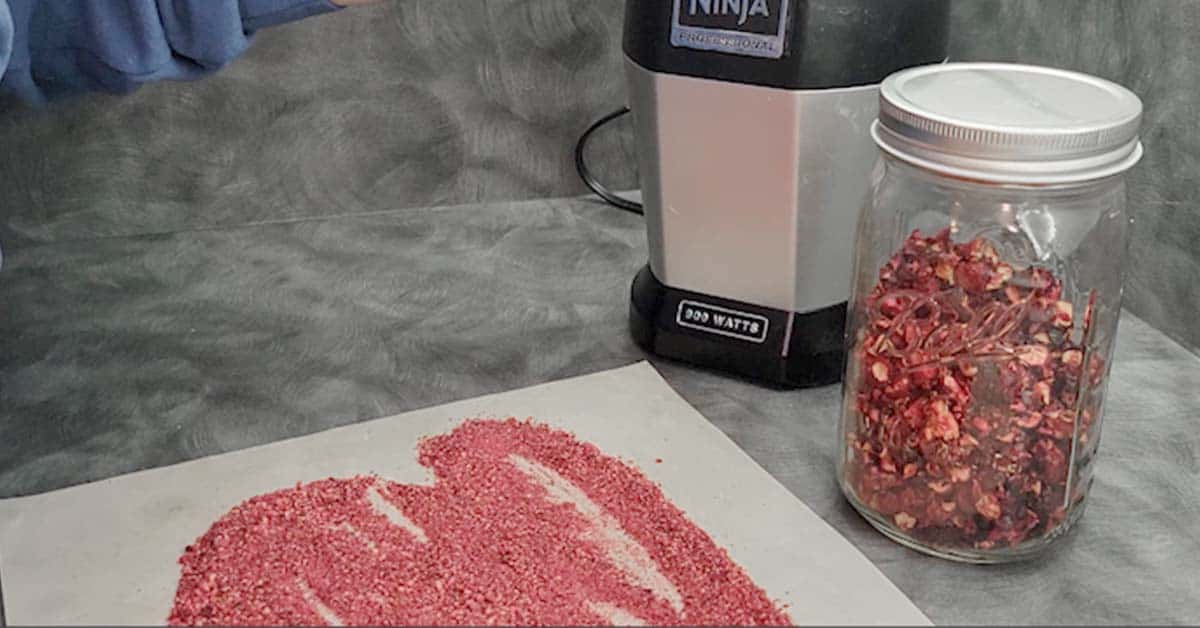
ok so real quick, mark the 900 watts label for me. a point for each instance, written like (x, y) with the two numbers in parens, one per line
(722, 321)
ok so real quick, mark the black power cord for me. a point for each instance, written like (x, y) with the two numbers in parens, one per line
(581, 167)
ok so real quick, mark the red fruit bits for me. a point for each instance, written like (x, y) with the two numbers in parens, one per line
(965, 397)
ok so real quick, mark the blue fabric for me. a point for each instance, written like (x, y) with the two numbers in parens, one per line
(62, 47)
(6, 34)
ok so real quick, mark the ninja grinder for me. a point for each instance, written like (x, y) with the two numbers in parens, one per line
(751, 120)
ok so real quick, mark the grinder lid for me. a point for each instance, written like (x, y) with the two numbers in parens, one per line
(789, 44)
(1009, 123)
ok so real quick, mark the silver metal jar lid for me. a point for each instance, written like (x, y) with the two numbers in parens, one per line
(1009, 123)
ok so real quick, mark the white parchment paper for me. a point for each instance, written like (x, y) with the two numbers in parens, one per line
(105, 553)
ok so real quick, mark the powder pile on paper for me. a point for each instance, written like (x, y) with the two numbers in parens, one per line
(524, 525)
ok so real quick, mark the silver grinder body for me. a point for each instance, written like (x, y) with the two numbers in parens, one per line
(752, 128)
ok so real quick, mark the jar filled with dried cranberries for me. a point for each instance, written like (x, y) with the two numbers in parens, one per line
(987, 287)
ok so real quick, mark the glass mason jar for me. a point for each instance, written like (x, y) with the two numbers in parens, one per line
(987, 288)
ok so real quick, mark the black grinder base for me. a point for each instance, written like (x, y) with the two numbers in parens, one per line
(776, 347)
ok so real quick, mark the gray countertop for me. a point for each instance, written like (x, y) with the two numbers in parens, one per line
(126, 353)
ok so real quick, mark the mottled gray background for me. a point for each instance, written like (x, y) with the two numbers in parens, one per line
(319, 235)
(405, 104)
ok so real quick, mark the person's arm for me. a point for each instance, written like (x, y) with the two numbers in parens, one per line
(69, 46)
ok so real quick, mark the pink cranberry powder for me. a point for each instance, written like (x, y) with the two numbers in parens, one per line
(524, 525)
